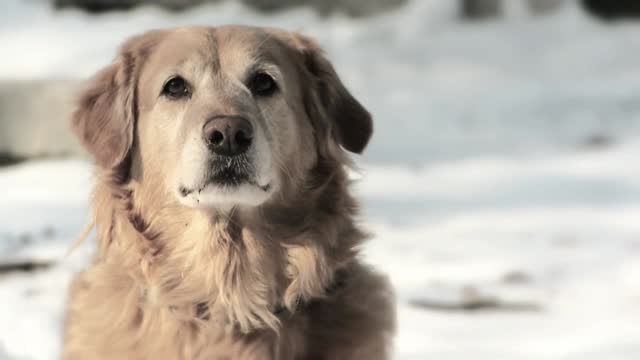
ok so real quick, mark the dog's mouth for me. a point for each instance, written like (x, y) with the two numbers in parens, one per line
(228, 173)
(229, 177)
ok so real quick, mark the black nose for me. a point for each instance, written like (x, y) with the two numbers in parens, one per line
(228, 135)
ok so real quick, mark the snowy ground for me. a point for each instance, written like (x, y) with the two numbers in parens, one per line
(501, 175)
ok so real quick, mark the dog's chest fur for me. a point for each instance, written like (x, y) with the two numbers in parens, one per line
(197, 280)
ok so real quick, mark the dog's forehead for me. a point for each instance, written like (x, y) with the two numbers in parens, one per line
(183, 43)
(223, 47)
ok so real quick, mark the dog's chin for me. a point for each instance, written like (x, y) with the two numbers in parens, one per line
(224, 196)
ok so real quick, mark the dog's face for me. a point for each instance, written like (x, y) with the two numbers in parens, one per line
(219, 117)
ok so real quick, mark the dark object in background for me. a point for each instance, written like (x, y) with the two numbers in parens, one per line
(272, 5)
(354, 8)
(613, 9)
(544, 6)
(20, 265)
(7, 159)
(98, 6)
(598, 141)
(480, 9)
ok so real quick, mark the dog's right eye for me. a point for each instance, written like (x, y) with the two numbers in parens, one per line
(176, 88)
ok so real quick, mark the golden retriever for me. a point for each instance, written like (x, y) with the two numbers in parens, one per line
(224, 222)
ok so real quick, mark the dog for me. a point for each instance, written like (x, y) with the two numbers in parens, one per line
(224, 222)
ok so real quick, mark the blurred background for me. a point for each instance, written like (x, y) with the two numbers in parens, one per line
(502, 183)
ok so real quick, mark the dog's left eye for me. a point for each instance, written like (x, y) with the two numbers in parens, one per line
(262, 84)
(176, 88)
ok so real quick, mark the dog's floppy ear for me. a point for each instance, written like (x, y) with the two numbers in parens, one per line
(352, 123)
(105, 118)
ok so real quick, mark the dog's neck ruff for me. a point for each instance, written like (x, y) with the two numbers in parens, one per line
(313, 255)
(201, 310)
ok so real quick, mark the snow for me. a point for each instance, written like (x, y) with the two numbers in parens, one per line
(483, 184)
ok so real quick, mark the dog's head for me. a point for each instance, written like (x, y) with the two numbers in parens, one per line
(219, 117)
